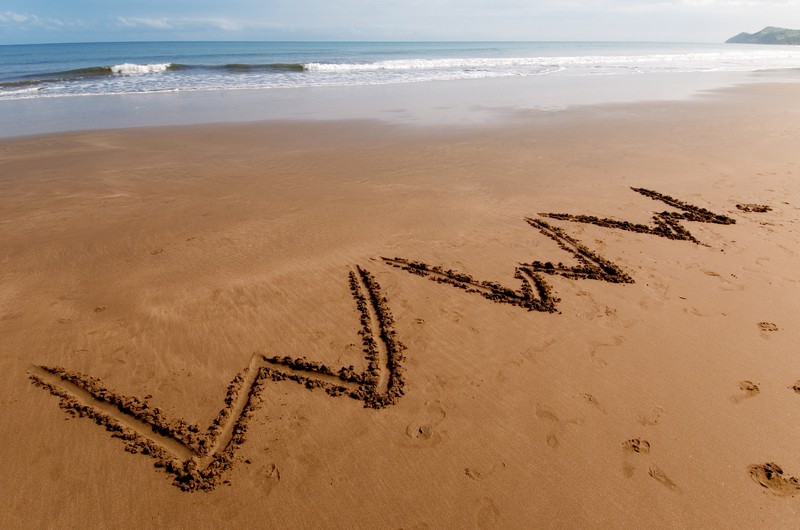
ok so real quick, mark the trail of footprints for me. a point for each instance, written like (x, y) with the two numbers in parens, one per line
(640, 446)
(198, 459)
(769, 475)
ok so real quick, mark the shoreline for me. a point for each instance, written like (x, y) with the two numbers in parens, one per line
(498, 122)
(443, 103)
(163, 260)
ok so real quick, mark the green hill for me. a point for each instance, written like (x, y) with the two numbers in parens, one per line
(768, 35)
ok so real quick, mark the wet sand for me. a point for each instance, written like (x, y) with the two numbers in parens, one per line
(574, 318)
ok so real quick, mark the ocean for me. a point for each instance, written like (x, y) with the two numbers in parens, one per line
(61, 70)
(69, 76)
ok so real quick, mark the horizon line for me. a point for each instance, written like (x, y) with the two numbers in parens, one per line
(311, 41)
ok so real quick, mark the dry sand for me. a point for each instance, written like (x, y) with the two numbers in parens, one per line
(164, 262)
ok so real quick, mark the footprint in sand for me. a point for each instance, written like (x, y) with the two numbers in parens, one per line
(598, 361)
(451, 314)
(268, 476)
(696, 312)
(477, 473)
(727, 285)
(639, 446)
(651, 418)
(591, 400)
(636, 445)
(531, 353)
(488, 514)
(796, 387)
(474, 474)
(424, 431)
(656, 292)
(597, 310)
(556, 425)
(544, 414)
(770, 476)
(749, 389)
(596, 358)
(419, 431)
(767, 326)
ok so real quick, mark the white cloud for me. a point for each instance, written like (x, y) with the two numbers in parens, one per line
(180, 23)
(8, 16)
(214, 23)
(685, 20)
(142, 22)
(228, 25)
(24, 21)
(15, 18)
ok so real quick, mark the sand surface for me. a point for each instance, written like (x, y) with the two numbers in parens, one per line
(641, 381)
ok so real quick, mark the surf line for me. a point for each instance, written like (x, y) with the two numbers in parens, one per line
(535, 294)
(198, 459)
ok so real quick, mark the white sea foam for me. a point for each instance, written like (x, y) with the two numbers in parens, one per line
(131, 69)
(21, 92)
(328, 69)
(742, 60)
(424, 64)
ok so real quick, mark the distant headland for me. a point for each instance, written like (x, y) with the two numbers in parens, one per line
(768, 35)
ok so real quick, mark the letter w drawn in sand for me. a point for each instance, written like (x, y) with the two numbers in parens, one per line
(535, 294)
(589, 266)
(665, 224)
(198, 459)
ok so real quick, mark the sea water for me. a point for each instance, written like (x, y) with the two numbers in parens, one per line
(123, 84)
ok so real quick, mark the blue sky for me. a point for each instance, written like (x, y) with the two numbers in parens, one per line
(34, 21)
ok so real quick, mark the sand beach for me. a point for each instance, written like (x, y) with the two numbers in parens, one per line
(571, 318)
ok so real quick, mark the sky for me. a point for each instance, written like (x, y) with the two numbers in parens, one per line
(55, 21)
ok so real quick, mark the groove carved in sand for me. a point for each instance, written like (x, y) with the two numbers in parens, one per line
(534, 295)
(757, 208)
(198, 459)
(665, 224)
(591, 266)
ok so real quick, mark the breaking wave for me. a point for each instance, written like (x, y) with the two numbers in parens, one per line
(133, 69)
(257, 69)
(690, 60)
